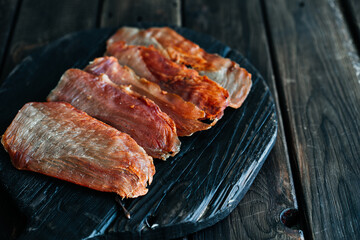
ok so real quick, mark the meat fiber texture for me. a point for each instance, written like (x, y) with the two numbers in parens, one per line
(60, 141)
(181, 50)
(185, 114)
(149, 63)
(121, 108)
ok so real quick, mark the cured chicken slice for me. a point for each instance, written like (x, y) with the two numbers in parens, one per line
(181, 50)
(149, 63)
(184, 114)
(60, 141)
(121, 108)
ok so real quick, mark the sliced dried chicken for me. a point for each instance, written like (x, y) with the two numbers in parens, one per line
(121, 108)
(60, 141)
(149, 63)
(185, 114)
(181, 50)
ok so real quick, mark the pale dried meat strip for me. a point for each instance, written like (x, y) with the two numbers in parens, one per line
(60, 141)
(185, 114)
(149, 63)
(121, 108)
(181, 50)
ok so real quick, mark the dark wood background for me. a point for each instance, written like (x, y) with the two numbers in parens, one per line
(307, 51)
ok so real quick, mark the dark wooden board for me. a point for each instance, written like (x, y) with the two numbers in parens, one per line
(196, 189)
(7, 19)
(119, 13)
(258, 214)
(318, 72)
(45, 21)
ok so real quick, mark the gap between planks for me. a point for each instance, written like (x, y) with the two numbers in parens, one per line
(304, 222)
(351, 23)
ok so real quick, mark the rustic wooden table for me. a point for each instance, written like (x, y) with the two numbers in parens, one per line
(307, 51)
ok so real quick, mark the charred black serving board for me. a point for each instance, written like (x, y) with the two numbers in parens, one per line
(195, 189)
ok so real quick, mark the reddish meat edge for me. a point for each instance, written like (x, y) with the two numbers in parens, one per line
(149, 63)
(121, 108)
(60, 141)
(185, 114)
(183, 51)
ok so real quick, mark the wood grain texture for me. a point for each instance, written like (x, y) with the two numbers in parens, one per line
(119, 13)
(7, 19)
(46, 21)
(258, 214)
(319, 74)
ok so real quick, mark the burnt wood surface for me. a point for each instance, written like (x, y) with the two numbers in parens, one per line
(318, 69)
(198, 187)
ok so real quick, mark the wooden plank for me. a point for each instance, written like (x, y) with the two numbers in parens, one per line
(118, 13)
(240, 24)
(45, 21)
(319, 74)
(7, 19)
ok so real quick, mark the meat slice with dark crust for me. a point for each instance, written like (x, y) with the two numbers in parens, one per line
(57, 140)
(185, 114)
(181, 50)
(121, 108)
(149, 63)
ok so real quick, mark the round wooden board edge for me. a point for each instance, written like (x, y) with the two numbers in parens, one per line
(167, 231)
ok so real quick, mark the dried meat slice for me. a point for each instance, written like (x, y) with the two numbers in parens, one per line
(121, 108)
(149, 63)
(185, 114)
(61, 141)
(181, 50)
